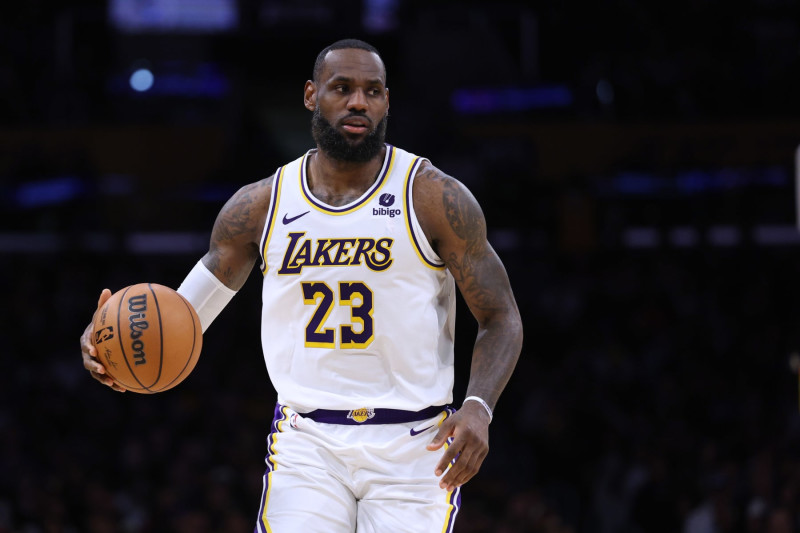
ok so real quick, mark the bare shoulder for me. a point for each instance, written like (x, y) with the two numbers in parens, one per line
(445, 207)
(233, 249)
(244, 214)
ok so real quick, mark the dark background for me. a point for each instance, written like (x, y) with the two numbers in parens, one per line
(635, 161)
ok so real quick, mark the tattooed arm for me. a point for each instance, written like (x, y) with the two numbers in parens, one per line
(234, 247)
(455, 226)
(233, 251)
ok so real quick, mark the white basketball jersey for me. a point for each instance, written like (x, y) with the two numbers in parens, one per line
(358, 310)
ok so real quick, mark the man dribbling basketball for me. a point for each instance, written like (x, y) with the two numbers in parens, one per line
(360, 244)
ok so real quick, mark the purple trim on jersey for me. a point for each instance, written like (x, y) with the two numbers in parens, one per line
(387, 163)
(273, 209)
(379, 416)
(409, 201)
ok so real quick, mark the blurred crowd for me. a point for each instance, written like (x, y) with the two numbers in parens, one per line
(654, 394)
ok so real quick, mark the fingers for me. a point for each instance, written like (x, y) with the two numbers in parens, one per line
(89, 352)
(445, 431)
(462, 459)
(87, 346)
(468, 460)
(105, 294)
(96, 370)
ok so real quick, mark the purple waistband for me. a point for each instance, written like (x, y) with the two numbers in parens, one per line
(367, 415)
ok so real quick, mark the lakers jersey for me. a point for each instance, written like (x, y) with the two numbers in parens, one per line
(358, 310)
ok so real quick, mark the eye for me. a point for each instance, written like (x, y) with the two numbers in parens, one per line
(341, 88)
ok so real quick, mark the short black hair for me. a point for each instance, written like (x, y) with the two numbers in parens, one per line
(341, 45)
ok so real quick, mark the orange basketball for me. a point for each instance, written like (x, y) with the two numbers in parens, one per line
(148, 337)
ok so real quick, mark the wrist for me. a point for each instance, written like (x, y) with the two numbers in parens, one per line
(482, 402)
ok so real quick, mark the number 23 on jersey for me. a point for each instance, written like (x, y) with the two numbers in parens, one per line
(354, 294)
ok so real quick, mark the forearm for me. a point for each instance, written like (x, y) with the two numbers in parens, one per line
(207, 294)
(494, 356)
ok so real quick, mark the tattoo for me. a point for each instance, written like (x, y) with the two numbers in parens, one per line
(238, 228)
(477, 270)
(458, 212)
(236, 217)
(482, 280)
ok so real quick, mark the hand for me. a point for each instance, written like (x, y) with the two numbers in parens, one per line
(469, 427)
(89, 352)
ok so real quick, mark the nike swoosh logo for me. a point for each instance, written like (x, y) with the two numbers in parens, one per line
(420, 431)
(287, 220)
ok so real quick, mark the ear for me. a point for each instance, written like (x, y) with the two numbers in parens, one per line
(310, 96)
(387, 98)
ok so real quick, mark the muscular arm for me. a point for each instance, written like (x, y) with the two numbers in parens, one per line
(457, 231)
(232, 253)
(234, 246)
(455, 226)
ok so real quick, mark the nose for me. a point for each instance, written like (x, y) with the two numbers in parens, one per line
(357, 101)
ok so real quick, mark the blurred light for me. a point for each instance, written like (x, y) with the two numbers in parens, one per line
(776, 235)
(638, 183)
(48, 192)
(136, 16)
(605, 92)
(511, 99)
(641, 237)
(697, 181)
(141, 80)
(379, 16)
(724, 236)
(166, 243)
(175, 78)
(40, 243)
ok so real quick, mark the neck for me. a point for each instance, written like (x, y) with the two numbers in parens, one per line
(338, 182)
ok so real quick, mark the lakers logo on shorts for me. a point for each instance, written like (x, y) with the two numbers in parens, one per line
(361, 415)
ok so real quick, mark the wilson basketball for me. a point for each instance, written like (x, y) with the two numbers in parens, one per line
(148, 337)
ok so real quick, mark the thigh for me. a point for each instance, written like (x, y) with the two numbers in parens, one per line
(302, 489)
(402, 493)
(409, 509)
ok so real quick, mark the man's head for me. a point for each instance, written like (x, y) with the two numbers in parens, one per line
(350, 101)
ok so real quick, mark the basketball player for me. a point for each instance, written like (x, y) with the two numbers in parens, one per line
(361, 245)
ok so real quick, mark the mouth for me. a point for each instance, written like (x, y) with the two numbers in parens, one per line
(356, 125)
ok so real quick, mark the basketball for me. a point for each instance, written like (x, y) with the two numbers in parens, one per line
(148, 337)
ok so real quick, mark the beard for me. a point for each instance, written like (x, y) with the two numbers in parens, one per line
(339, 147)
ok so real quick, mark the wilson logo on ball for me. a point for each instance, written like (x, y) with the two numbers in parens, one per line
(137, 322)
(157, 338)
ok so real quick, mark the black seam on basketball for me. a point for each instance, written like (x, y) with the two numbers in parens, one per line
(122, 345)
(119, 336)
(194, 343)
(160, 338)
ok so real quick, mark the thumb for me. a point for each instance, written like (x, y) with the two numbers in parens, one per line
(445, 430)
(104, 296)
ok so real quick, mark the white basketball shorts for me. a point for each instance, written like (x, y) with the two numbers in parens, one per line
(357, 476)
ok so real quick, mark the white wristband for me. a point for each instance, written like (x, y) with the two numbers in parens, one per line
(483, 403)
(206, 293)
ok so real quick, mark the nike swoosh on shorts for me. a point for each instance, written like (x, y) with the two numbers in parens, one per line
(420, 431)
(287, 220)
